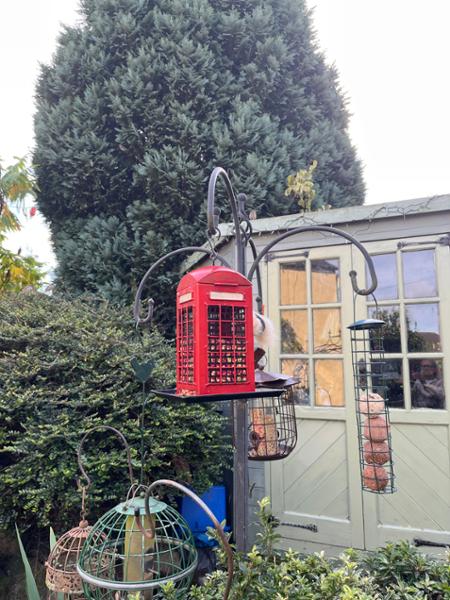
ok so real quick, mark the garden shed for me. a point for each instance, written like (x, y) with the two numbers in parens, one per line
(316, 492)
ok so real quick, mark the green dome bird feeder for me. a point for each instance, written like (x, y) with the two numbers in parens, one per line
(128, 551)
(141, 544)
(131, 554)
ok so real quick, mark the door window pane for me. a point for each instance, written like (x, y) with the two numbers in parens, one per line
(327, 330)
(329, 378)
(427, 385)
(294, 331)
(386, 270)
(419, 274)
(325, 281)
(422, 321)
(298, 368)
(389, 374)
(391, 330)
(293, 283)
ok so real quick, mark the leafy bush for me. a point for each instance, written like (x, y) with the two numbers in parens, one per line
(64, 368)
(400, 568)
(395, 572)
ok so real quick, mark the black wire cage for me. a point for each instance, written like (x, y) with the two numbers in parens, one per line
(272, 426)
(372, 410)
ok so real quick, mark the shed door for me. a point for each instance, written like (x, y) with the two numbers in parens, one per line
(318, 485)
(414, 299)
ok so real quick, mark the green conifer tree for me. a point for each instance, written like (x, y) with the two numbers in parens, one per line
(145, 97)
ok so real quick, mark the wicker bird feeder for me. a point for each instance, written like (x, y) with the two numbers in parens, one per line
(62, 579)
(372, 410)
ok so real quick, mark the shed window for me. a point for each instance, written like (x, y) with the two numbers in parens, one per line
(409, 304)
(293, 283)
(311, 329)
(419, 274)
(386, 269)
(325, 277)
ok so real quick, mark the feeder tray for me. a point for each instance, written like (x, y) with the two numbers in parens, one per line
(372, 410)
(200, 399)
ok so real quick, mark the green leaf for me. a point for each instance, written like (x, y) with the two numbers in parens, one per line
(52, 538)
(32, 590)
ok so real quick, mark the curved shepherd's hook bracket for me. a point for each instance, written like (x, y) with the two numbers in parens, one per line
(138, 298)
(324, 228)
(122, 438)
(212, 212)
(207, 510)
(239, 218)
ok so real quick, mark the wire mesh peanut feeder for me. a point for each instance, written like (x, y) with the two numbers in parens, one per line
(372, 411)
(272, 425)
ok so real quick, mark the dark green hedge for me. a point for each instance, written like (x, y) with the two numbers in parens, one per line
(64, 368)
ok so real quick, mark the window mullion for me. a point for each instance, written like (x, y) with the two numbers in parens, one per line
(312, 379)
(403, 333)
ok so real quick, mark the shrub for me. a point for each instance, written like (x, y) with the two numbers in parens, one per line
(396, 572)
(400, 569)
(64, 368)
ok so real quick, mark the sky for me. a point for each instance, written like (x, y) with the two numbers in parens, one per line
(393, 62)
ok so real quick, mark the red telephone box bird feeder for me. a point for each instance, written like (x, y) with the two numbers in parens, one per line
(214, 333)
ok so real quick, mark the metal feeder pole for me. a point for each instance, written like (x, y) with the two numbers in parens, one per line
(239, 407)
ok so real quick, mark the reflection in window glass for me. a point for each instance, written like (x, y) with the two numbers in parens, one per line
(419, 275)
(386, 270)
(391, 330)
(427, 385)
(422, 321)
(293, 283)
(327, 330)
(391, 378)
(325, 281)
(294, 331)
(329, 379)
(298, 368)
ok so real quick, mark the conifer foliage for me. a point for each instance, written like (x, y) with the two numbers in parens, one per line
(145, 97)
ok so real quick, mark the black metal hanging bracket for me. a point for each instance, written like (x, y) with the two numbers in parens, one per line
(324, 228)
(147, 320)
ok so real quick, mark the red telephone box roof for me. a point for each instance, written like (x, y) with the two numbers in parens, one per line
(214, 274)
